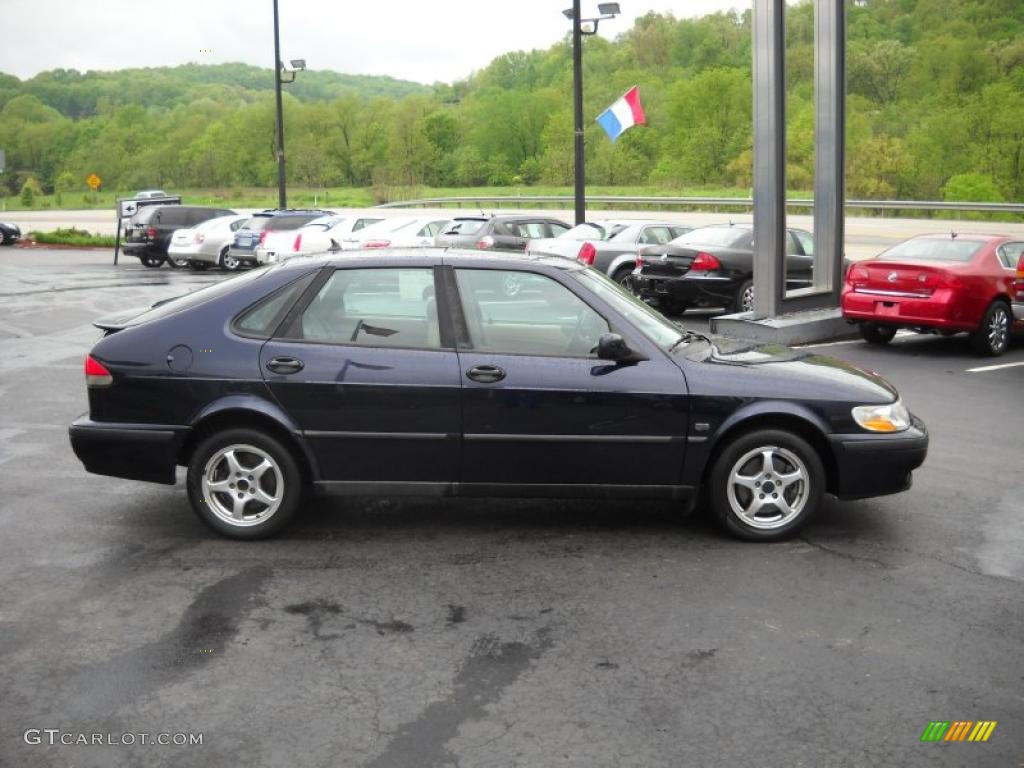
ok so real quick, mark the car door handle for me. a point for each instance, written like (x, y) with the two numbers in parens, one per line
(486, 374)
(285, 365)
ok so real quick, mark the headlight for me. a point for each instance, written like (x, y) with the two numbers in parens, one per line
(882, 418)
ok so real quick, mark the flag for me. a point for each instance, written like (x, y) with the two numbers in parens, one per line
(623, 114)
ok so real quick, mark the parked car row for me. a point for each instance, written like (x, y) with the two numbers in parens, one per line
(944, 284)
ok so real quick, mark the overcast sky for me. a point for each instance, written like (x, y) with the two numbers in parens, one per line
(422, 40)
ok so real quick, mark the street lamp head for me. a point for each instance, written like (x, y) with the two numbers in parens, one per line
(608, 9)
(301, 63)
(567, 13)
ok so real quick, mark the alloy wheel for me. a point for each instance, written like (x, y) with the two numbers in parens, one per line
(242, 485)
(768, 487)
(747, 299)
(998, 331)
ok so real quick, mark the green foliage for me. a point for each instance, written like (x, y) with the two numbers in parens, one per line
(936, 93)
(72, 236)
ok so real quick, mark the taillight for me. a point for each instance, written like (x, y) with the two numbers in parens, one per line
(151, 233)
(587, 253)
(639, 259)
(1018, 284)
(705, 262)
(95, 374)
(380, 244)
(263, 235)
(949, 280)
(857, 274)
(297, 245)
(485, 242)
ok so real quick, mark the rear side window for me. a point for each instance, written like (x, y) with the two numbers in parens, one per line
(261, 320)
(257, 223)
(557, 228)
(360, 223)
(383, 307)
(465, 227)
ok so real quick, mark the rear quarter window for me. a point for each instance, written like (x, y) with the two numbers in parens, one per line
(261, 319)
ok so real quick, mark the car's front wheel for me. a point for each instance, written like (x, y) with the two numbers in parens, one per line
(766, 484)
(152, 261)
(992, 336)
(244, 484)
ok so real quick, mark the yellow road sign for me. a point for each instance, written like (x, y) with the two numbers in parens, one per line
(93, 181)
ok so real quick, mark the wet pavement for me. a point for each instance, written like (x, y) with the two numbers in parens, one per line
(425, 632)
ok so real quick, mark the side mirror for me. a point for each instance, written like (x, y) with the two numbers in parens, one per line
(611, 346)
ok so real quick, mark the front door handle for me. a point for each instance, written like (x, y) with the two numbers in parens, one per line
(285, 365)
(486, 374)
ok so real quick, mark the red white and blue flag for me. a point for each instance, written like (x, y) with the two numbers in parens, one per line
(623, 114)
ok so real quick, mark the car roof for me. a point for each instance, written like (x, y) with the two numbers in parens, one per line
(972, 236)
(459, 257)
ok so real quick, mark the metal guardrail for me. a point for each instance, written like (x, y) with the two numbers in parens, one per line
(696, 202)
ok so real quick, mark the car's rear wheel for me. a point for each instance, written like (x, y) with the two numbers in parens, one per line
(244, 484)
(177, 262)
(765, 485)
(992, 336)
(744, 299)
(228, 262)
(873, 333)
(624, 277)
(152, 261)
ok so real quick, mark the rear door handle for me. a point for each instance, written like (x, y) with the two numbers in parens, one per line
(486, 374)
(285, 365)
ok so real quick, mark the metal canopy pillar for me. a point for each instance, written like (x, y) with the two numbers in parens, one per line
(770, 296)
(769, 156)
(829, 145)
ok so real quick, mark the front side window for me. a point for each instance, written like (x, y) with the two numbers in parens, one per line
(806, 241)
(373, 308)
(531, 229)
(523, 313)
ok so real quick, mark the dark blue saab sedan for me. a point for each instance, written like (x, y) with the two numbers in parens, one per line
(415, 372)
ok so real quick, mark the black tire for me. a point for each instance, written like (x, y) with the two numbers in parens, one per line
(281, 480)
(873, 333)
(624, 277)
(743, 301)
(152, 261)
(793, 460)
(992, 336)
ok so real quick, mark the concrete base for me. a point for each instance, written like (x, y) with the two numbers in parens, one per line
(796, 328)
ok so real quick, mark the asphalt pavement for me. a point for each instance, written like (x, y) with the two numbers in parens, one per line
(425, 632)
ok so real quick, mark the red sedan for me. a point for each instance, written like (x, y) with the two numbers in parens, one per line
(940, 283)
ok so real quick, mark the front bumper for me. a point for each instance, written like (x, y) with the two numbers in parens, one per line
(132, 451)
(878, 464)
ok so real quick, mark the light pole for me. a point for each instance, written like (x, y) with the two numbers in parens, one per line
(608, 11)
(279, 77)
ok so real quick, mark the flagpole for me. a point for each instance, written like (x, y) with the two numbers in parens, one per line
(577, 86)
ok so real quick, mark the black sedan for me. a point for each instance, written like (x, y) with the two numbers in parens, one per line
(714, 267)
(411, 372)
(9, 233)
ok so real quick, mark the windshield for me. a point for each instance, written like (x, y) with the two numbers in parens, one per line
(729, 237)
(195, 298)
(932, 249)
(650, 323)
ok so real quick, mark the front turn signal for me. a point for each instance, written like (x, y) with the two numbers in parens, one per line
(893, 417)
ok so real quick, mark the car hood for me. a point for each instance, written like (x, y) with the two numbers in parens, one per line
(724, 365)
